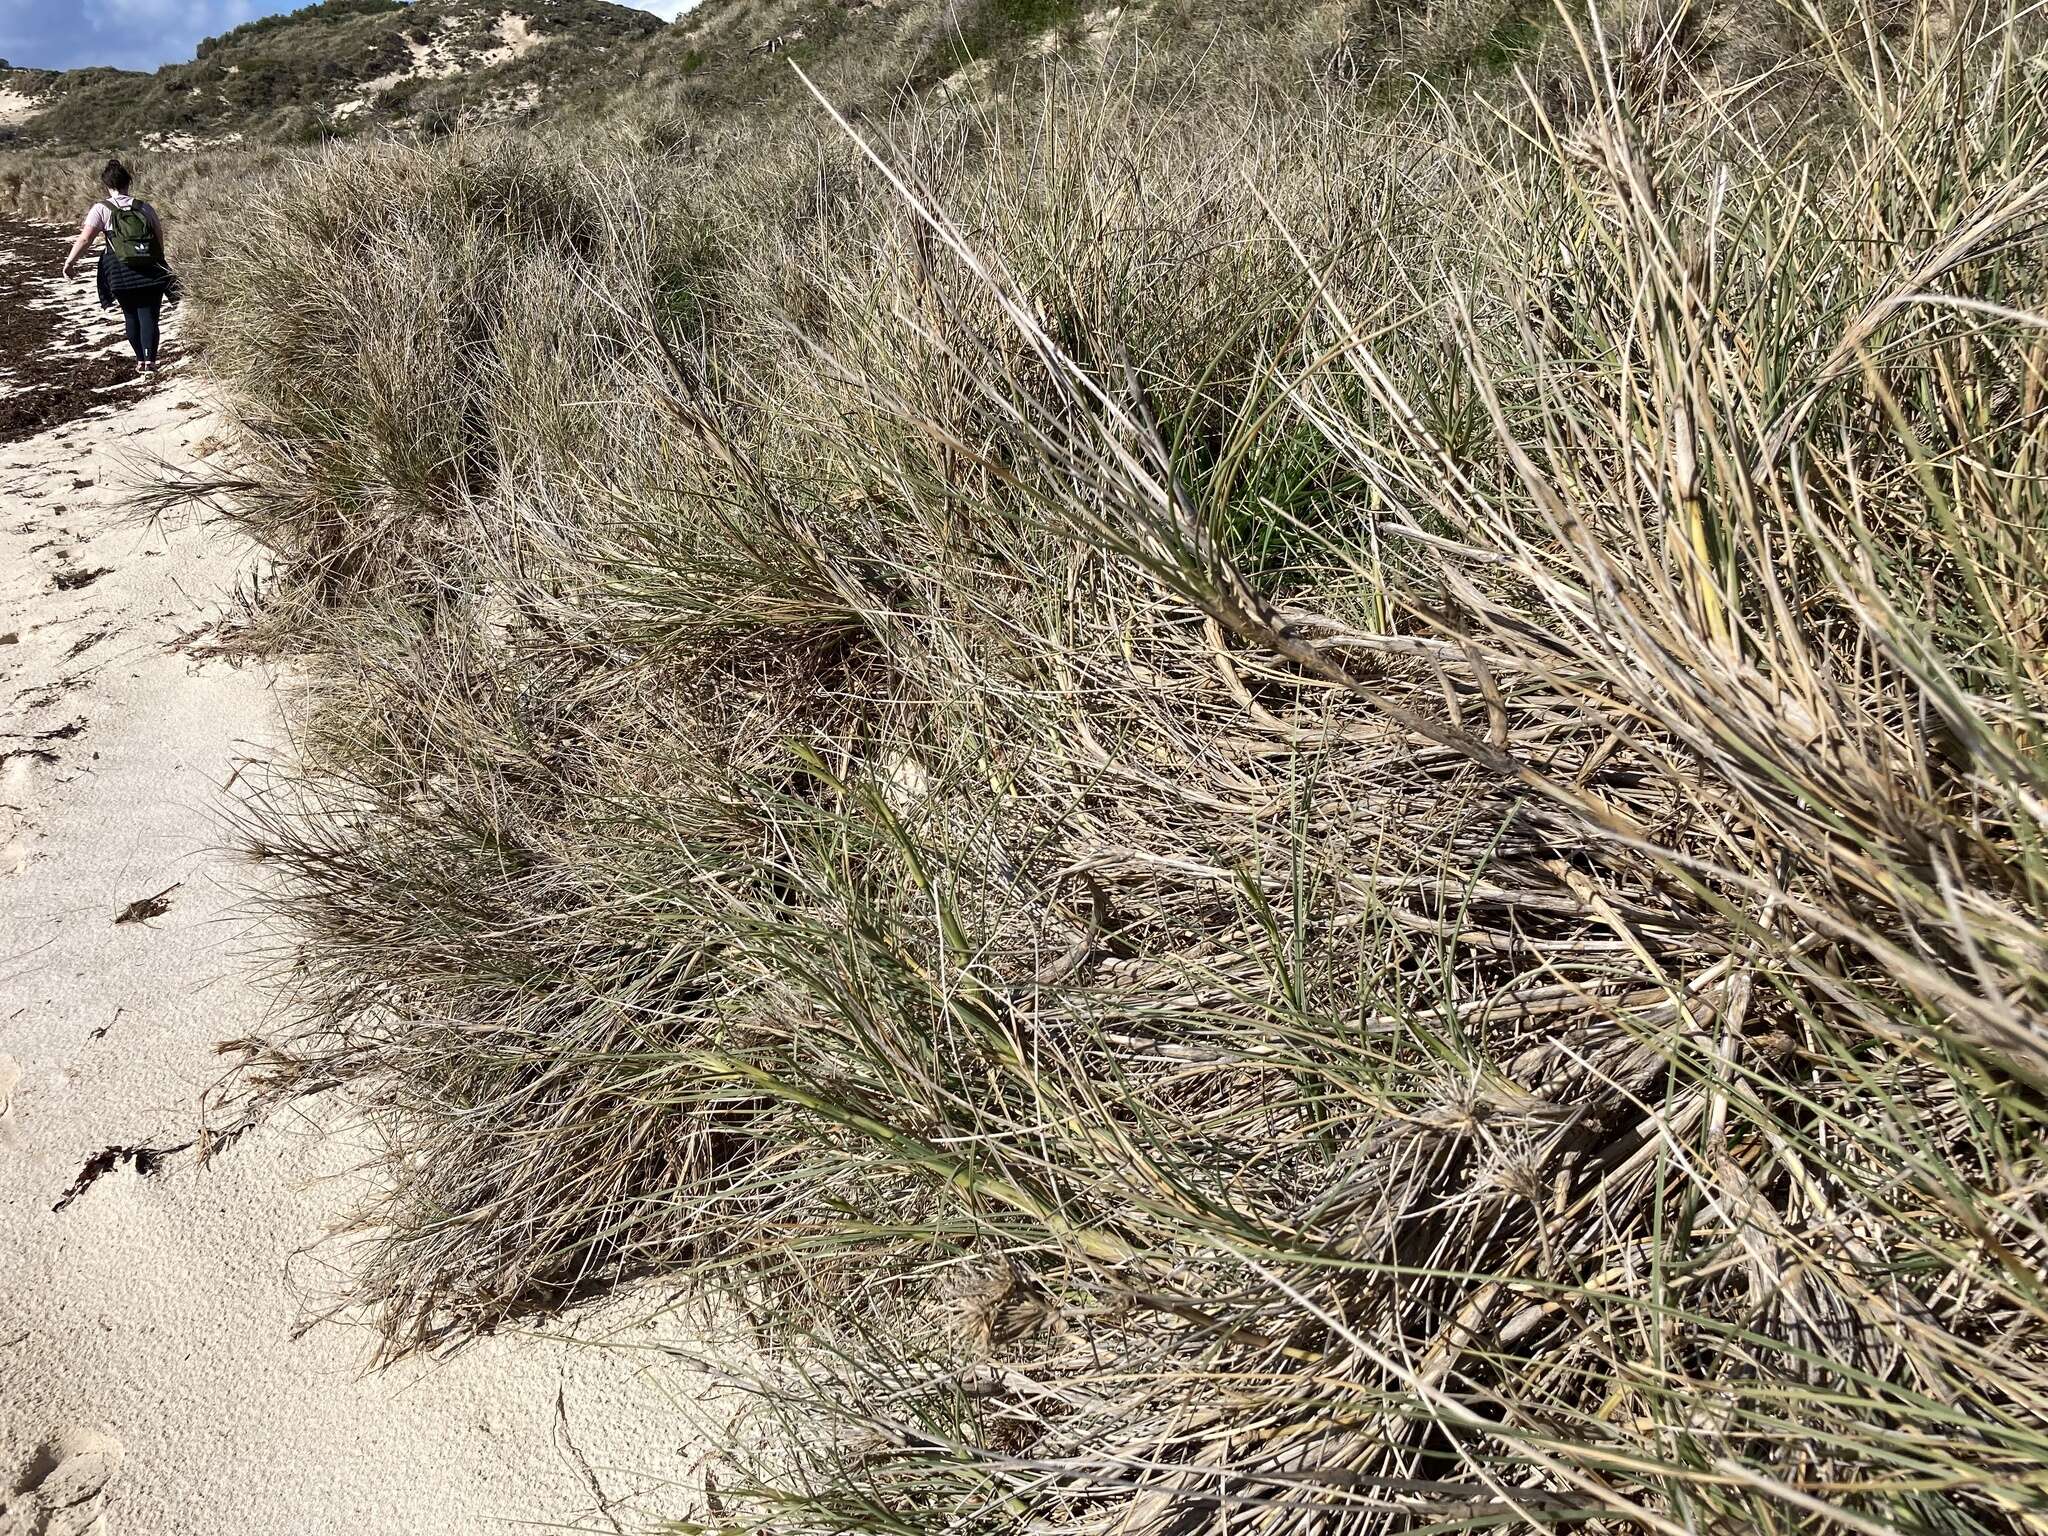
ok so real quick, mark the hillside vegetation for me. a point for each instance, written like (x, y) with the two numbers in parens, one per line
(336, 68)
(343, 68)
(1285, 772)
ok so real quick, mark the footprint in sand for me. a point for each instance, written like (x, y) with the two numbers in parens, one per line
(65, 1490)
(20, 772)
(11, 1139)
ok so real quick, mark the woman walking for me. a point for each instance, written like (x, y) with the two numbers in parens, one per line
(133, 269)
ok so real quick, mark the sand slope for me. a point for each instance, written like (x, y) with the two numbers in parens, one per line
(147, 1303)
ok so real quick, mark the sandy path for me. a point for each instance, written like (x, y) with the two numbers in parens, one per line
(149, 1313)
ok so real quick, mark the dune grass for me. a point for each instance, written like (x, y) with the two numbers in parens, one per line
(1278, 818)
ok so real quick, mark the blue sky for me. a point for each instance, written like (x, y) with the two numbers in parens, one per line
(141, 34)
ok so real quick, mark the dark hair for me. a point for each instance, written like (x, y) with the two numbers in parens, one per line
(115, 177)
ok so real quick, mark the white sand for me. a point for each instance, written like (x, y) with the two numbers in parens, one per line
(17, 107)
(146, 1328)
(516, 39)
(435, 59)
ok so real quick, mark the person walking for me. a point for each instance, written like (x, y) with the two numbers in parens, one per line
(134, 271)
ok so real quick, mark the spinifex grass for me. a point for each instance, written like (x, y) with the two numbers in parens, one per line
(1296, 820)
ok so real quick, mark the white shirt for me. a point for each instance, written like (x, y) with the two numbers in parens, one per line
(98, 220)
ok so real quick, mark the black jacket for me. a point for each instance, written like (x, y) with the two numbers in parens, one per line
(120, 281)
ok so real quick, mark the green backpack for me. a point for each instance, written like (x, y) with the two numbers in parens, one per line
(133, 238)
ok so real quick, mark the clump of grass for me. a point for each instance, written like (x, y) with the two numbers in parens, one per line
(1285, 820)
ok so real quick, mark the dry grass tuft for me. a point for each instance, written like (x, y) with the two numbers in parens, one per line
(1293, 820)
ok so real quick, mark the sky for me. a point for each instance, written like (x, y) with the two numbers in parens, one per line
(141, 34)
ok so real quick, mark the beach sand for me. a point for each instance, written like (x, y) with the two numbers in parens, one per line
(152, 1376)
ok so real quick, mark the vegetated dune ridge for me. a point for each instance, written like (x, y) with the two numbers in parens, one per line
(151, 1295)
(1299, 807)
(343, 65)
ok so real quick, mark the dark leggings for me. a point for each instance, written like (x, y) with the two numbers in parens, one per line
(143, 313)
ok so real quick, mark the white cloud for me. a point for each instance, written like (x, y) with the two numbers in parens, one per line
(136, 34)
